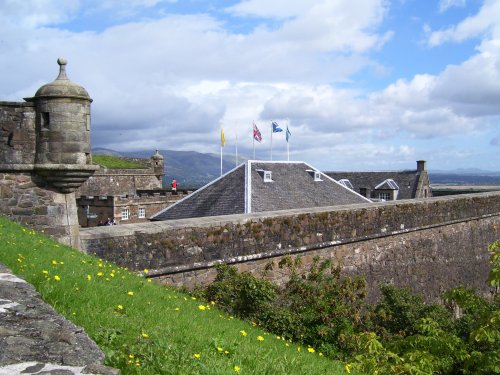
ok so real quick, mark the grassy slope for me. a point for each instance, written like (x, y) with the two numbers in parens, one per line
(114, 162)
(143, 327)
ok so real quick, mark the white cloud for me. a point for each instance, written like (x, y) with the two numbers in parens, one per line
(444, 5)
(485, 22)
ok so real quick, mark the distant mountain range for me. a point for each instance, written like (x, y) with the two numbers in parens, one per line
(193, 169)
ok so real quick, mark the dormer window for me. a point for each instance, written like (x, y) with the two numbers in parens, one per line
(315, 174)
(268, 176)
(345, 182)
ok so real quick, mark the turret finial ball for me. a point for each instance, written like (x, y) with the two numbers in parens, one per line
(62, 61)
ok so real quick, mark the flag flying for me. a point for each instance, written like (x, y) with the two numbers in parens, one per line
(276, 127)
(256, 133)
(222, 138)
(288, 133)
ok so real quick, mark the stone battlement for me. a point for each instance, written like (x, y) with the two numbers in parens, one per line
(427, 244)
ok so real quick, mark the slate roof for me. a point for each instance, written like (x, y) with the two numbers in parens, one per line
(243, 190)
(407, 181)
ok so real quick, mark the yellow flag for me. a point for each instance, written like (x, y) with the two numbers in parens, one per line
(222, 137)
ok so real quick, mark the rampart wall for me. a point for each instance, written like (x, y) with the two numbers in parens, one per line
(428, 245)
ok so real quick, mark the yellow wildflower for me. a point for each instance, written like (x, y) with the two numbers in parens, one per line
(57, 278)
(197, 355)
(260, 338)
(219, 349)
(311, 350)
(130, 293)
(145, 335)
(119, 307)
(89, 277)
(237, 369)
(202, 307)
(177, 309)
(348, 368)
(100, 274)
(146, 270)
(243, 333)
(54, 262)
(45, 272)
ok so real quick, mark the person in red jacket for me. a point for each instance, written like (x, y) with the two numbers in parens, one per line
(174, 187)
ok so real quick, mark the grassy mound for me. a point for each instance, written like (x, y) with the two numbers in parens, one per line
(145, 328)
(113, 162)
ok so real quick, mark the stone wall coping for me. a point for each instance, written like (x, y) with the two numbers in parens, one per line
(16, 167)
(215, 221)
(16, 104)
(67, 167)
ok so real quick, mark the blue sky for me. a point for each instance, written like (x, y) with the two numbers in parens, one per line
(362, 84)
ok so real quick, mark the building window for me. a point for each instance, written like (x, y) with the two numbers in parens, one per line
(268, 176)
(384, 196)
(346, 183)
(317, 176)
(125, 213)
(142, 213)
(45, 120)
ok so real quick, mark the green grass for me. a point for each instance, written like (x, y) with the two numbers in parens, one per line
(145, 328)
(114, 162)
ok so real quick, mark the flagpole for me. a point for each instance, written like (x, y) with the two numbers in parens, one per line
(271, 142)
(253, 139)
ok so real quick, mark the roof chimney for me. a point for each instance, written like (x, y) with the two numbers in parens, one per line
(421, 165)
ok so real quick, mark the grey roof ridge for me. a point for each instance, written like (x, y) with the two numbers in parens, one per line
(386, 171)
(338, 183)
(195, 192)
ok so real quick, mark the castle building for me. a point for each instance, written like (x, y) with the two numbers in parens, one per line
(388, 186)
(258, 186)
(45, 156)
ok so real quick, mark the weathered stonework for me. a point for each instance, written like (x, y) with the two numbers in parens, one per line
(35, 339)
(429, 245)
(45, 157)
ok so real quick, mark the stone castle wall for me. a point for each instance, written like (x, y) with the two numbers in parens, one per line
(17, 134)
(429, 245)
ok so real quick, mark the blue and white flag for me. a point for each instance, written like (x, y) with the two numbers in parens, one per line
(288, 133)
(276, 127)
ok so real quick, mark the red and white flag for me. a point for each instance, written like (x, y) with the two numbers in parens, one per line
(256, 133)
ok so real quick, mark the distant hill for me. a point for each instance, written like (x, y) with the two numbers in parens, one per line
(191, 169)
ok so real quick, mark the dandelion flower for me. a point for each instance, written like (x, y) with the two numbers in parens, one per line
(100, 274)
(119, 307)
(45, 272)
(146, 270)
(243, 333)
(89, 277)
(260, 338)
(57, 278)
(145, 335)
(219, 349)
(254, 324)
(348, 368)
(54, 262)
(61, 262)
(197, 355)
(236, 369)
(149, 280)
(298, 349)
(130, 293)
(177, 309)
(202, 307)
(311, 350)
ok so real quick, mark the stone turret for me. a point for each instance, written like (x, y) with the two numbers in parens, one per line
(158, 165)
(62, 126)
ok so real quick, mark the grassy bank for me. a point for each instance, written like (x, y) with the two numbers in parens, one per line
(146, 328)
(114, 162)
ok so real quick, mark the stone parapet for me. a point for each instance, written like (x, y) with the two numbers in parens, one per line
(190, 246)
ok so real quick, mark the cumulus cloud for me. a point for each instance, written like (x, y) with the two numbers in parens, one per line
(172, 79)
(485, 22)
